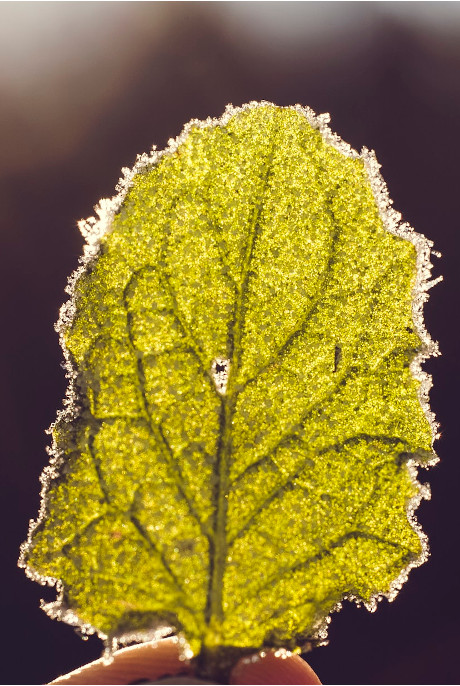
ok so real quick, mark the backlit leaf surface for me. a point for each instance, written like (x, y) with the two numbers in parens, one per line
(246, 404)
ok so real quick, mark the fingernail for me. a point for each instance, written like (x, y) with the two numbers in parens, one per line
(273, 667)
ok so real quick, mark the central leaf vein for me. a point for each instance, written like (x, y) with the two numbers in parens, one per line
(218, 546)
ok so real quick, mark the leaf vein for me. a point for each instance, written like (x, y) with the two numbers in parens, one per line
(323, 553)
(320, 295)
(155, 429)
(146, 537)
(287, 484)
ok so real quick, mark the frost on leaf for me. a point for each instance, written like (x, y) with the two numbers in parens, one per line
(246, 409)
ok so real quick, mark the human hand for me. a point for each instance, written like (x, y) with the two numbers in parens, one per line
(148, 662)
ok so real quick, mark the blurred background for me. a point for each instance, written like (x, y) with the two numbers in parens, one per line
(86, 86)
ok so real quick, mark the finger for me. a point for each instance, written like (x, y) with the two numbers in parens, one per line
(273, 667)
(145, 661)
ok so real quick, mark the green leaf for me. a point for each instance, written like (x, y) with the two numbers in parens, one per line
(246, 408)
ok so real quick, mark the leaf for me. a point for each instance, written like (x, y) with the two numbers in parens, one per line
(246, 408)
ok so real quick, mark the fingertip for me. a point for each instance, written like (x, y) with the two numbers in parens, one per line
(145, 661)
(273, 667)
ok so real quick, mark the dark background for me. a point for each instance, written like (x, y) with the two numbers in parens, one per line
(84, 87)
